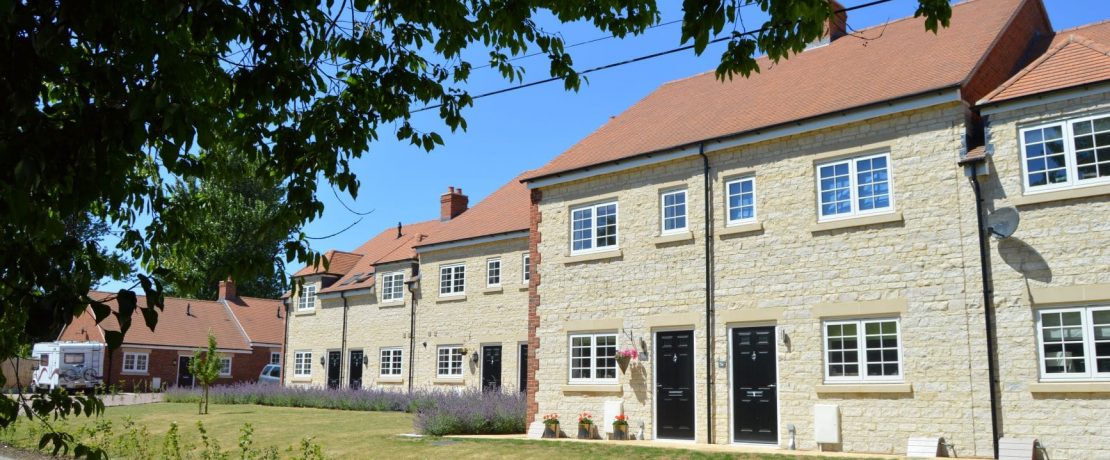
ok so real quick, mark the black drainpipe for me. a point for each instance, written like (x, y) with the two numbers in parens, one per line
(412, 330)
(285, 339)
(709, 329)
(988, 300)
(343, 345)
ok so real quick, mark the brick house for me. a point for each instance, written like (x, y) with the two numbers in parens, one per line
(249, 334)
(386, 314)
(795, 255)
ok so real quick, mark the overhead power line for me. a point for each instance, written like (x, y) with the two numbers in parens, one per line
(637, 59)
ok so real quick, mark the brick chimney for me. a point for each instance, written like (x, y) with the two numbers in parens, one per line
(227, 290)
(451, 204)
(836, 27)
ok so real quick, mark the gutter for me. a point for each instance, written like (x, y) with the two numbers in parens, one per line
(971, 169)
(709, 313)
(471, 241)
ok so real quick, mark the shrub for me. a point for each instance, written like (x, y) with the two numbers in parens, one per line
(438, 412)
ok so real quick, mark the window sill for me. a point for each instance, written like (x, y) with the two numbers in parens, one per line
(454, 298)
(680, 237)
(741, 229)
(1069, 387)
(524, 288)
(602, 255)
(493, 290)
(447, 381)
(857, 222)
(886, 388)
(1061, 195)
(304, 313)
(389, 380)
(304, 379)
(135, 373)
(614, 388)
(392, 303)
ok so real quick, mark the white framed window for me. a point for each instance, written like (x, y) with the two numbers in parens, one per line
(593, 227)
(275, 358)
(449, 361)
(853, 187)
(593, 358)
(225, 366)
(393, 286)
(526, 267)
(672, 205)
(1074, 343)
(302, 364)
(863, 350)
(1065, 154)
(307, 299)
(493, 272)
(136, 362)
(452, 279)
(740, 200)
(390, 364)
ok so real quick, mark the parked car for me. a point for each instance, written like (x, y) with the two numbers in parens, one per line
(271, 374)
(70, 365)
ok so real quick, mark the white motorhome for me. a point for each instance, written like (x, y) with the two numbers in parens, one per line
(70, 365)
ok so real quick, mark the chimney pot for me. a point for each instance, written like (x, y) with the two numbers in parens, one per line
(227, 290)
(451, 204)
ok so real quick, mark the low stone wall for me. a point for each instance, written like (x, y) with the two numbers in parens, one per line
(130, 399)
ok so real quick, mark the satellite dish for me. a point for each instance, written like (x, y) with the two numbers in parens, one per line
(1003, 222)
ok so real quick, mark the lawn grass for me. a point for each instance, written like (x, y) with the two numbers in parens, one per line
(342, 434)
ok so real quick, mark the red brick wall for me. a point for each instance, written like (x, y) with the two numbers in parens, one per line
(1027, 35)
(163, 363)
(534, 239)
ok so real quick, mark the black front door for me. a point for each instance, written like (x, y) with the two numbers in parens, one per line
(523, 368)
(491, 367)
(184, 377)
(754, 401)
(674, 384)
(355, 370)
(333, 369)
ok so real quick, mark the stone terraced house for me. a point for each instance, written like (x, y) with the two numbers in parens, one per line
(795, 256)
(436, 304)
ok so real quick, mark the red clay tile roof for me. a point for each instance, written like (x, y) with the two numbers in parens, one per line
(902, 60)
(503, 211)
(262, 319)
(1076, 57)
(383, 248)
(339, 262)
(975, 154)
(184, 323)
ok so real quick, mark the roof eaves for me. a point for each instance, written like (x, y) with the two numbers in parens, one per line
(906, 102)
(512, 234)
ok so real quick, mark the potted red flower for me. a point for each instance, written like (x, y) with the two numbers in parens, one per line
(585, 426)
(620, 427)
(551, 425)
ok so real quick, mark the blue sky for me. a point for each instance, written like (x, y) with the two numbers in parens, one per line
(521, 130)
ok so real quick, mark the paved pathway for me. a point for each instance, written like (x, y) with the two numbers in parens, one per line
(699, 447)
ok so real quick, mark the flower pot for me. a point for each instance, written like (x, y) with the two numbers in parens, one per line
(551, 430)
(585, 431)
(623, 361)
(620, 432)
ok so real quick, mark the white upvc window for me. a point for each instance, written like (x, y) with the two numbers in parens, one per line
(526, 267)
(449, 361)
(452, 279)
(136, 362)
(307, 299)
(390, 364)
(275, 358)
(493, 272)
(302, 364)
(593, 358)
(1066, 154)
(863, 350)
(225, 367)
(740, 199)
(672, 205)
(393, 286)
(593, 228)
(855, 187)
(1074, 343)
